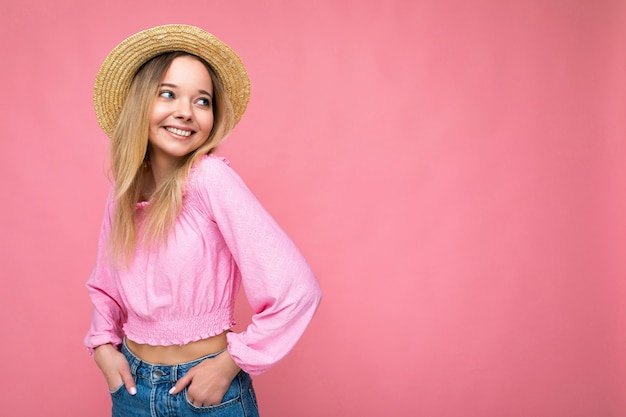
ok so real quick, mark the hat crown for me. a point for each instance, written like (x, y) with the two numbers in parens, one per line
(120, 66)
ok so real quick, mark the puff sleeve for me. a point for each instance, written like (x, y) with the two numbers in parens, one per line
(108, 315)
(279, 284)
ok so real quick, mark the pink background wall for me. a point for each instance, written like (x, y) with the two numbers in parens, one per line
(454, 173)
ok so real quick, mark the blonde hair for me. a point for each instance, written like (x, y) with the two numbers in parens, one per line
(129, 152)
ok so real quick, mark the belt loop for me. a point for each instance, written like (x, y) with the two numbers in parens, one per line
(174, 373)
(135, 365)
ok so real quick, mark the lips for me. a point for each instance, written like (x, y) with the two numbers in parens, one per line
(179, 132)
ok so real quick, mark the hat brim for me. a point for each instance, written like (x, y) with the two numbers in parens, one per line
(120, 66)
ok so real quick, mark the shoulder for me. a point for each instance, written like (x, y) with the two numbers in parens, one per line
(211, 164)
(208, 169)
(211, 173)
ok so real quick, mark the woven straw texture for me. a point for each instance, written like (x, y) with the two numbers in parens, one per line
(120, 66)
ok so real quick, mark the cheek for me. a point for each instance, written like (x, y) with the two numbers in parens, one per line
(157, 113)
(207, 122)
(153, 122)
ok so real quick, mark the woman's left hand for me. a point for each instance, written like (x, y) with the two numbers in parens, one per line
(209, 380)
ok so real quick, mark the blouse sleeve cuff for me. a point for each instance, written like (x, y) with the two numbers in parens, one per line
(249, 360)
(92, 342)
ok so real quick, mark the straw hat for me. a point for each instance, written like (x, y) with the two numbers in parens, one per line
(119, 68)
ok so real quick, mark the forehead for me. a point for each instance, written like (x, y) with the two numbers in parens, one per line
(188, 71)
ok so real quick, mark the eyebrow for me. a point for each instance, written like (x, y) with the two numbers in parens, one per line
(175, 86)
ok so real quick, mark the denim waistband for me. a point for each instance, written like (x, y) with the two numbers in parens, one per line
(160, 373)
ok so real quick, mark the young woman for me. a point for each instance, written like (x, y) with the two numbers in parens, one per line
(181, 231)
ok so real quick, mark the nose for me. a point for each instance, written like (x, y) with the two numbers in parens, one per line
(183, 110)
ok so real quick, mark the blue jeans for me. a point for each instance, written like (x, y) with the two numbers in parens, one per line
(154, 400)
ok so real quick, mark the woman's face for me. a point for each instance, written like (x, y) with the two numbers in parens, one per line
(181, 117)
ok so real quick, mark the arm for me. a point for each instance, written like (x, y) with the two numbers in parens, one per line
(105, 332)
(280, 286)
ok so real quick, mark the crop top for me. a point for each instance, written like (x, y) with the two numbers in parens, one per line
(185, 289)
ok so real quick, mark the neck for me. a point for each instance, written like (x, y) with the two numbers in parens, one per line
(161, 168)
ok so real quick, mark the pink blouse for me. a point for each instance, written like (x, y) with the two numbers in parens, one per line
(185, 290)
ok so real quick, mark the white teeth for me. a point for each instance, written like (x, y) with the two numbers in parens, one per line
(178, 131)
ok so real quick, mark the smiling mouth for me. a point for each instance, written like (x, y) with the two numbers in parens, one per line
(179, 132)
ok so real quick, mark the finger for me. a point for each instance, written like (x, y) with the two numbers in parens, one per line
(181, 384)
(129, 382)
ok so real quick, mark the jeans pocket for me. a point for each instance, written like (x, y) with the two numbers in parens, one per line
(231, 398)
(117, 391)
(253, 397)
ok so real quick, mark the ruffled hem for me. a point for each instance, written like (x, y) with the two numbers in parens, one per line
(178, 331)
(170, 341)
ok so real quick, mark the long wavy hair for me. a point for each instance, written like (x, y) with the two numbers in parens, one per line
(129, 154)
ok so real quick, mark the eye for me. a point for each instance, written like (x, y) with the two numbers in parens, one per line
(204, 102)
(166, 94)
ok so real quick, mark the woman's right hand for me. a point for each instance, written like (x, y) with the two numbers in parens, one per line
(115, 368)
